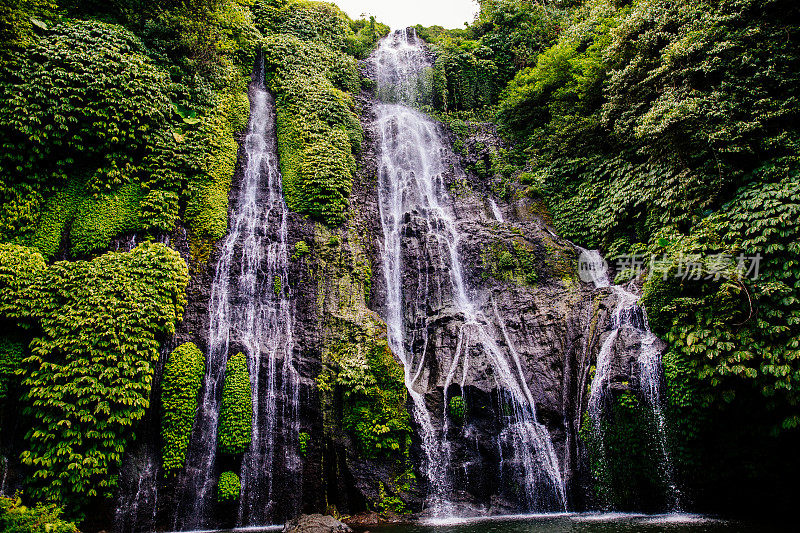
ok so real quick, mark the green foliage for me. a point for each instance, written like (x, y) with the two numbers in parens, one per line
(303, 440)
(236, 413)
(728, 328)
(632, 128)
(516, 262)
(17, 518)
(456, 408)
(300, 249)
(366, 34)
(670, 128)
(318, 129)
(87, 379)
(390, 503)
(373, 393)
(180, 385)
(228, 487)
(68, 111)
(20, 19)
(106, 135)
(309, 53)
(473, 65)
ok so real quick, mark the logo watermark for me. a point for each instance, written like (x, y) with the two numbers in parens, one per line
(593, 268)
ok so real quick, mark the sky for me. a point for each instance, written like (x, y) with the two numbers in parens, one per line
(402, 13)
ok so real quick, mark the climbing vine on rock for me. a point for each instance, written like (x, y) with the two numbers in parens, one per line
(87, 379)
(236, 413)
(180, 385)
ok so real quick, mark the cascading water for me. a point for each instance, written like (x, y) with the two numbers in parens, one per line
(628, 314)
(413, 199)
(250, 311)
(496, 213)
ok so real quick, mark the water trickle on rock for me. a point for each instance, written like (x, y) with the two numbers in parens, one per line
(414, 203)
(628, 314)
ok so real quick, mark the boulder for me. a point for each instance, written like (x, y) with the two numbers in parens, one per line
(315, 523)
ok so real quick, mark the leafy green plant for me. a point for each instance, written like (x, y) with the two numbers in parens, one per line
(303, 440)
(18, 518)
(300, 249)
(180, 385)
(236, 413)
(228, 487)
(456, 408)
(87, 379)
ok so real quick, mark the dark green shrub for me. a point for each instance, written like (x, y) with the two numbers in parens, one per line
(19, 20)
(180, 385)
(236, 413)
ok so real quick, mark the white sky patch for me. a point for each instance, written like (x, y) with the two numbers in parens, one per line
(403, 13)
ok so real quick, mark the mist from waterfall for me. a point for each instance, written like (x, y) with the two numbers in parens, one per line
(413, 199)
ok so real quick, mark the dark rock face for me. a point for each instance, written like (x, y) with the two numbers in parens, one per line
(315, 523)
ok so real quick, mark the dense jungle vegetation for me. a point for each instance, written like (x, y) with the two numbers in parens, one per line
(664, 129)
(119, 118)
(650, 127)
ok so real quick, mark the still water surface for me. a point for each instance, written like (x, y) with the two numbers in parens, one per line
(579, 523)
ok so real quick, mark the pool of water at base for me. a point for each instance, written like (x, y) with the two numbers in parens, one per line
(576, 523)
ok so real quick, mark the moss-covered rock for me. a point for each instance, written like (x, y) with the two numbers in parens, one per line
(236, 413)
(180, 385)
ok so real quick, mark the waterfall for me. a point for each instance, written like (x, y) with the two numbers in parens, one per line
(496, 213)
(4, 466)
(413, 200)
(628, 314)
(250, 311)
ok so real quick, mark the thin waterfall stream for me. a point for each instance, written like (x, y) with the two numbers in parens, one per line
(413, 198)
(250, 311)
(629, 314)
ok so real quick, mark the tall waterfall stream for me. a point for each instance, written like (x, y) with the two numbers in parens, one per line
(250, 311)
(412, 188)
(629, 314)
